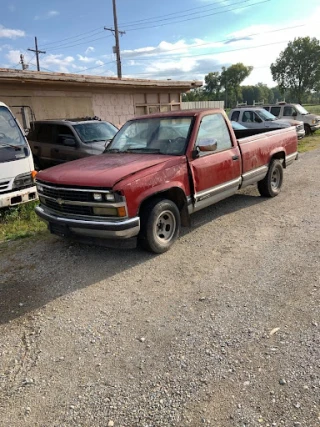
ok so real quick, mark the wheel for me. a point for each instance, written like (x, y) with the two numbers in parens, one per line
(307, 129)
(160, 225)
(271, 185)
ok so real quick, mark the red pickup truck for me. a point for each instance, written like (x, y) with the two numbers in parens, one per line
(157, 171)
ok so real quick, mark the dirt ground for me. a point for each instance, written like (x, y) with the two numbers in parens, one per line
(222, 330)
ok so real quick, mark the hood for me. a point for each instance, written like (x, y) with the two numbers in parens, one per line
(291, 122)
(103, 170)
(97, 147)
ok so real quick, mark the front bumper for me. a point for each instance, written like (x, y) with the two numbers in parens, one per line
(94, 229)
(14, 198)
(315, 127)
(301, 133)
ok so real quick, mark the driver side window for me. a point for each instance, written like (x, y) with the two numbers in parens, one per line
(213, 130)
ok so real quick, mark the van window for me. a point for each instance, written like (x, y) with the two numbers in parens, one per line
(235, 116)
(288, 111)
(275, 111)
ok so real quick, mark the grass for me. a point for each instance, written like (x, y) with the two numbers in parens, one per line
(309, 143)
(19, 222)
(313, 109)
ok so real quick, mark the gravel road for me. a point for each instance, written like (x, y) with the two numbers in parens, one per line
(222, 330)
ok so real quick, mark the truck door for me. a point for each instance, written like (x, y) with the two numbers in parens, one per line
(216, 173)
(66, 146)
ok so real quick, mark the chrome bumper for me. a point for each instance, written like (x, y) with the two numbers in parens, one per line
(119, 229)
(315, 127)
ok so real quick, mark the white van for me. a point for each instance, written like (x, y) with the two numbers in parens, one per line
(16, 163)
(283, 110)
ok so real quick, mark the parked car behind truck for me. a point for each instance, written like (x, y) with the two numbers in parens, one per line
(57, 141)
(259, 118)
(16, 164)
(295, 111)
(158, 170)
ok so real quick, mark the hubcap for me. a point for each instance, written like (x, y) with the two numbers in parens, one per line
(165, 226)
(275, 179)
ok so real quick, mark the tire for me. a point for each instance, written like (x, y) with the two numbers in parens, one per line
(160, 225)
(271, 185)
(308, 130)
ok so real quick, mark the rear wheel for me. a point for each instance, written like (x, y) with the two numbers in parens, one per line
(271, 185)
(160, 225)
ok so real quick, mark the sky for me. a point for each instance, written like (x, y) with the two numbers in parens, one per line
(162, 39)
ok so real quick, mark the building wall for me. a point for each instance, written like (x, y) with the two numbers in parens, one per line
(49, 101)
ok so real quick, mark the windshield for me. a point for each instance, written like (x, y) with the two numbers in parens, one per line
(153, 135)
(12, 143)
(265, 115)
(95, 131)
(301, 109)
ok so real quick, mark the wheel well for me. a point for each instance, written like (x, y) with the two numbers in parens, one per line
(279, 156)
(177, 196)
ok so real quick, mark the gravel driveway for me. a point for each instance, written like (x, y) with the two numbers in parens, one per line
(222, 330)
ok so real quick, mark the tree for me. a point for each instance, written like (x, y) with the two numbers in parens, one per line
(213, 84)
(298, 67)
(231, 78)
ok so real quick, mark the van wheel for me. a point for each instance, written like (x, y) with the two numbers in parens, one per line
(160, 225)
(307, 129)
(271, 185)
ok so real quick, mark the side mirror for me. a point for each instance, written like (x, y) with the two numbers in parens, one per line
(294, 113)
(258, 120)
(208, 147)
(69, 142)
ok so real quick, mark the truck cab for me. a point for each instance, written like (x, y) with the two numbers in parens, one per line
(17, 172)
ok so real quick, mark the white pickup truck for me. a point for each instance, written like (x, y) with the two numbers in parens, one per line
(16, 163)
(260, 118)
(295, 111)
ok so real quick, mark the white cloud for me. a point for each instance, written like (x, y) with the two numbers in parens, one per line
(99, 62)
(85, 58)
(53, 13)
(89, 49)
(10, 34)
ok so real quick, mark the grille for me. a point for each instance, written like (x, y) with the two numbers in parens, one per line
(67, 209)
(65, 194)
(4, 185)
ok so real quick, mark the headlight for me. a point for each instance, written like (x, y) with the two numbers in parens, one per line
(22, 181)
(109, 197)
(97, 197)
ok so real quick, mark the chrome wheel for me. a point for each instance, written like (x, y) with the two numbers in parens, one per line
(275, 179)
(165, 227)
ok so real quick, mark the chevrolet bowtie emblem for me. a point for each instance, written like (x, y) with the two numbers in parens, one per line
(60, 201)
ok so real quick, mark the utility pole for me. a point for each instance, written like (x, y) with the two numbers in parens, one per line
(24, 66)
(37, 51)
(116, 33)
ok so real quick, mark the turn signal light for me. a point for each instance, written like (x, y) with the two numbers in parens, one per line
(122, 211)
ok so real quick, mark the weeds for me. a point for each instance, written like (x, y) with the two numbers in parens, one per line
(19, 222)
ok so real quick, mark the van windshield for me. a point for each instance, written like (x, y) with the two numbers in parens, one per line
(95, 131)
(12, 143)
(301, 109)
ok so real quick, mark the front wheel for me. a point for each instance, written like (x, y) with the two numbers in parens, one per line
(307, 130)
(271, 184)
(160, 225)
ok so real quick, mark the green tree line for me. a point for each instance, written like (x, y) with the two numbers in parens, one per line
(296, 73)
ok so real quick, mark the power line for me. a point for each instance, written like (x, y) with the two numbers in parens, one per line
(78, 44)
(182, 13)
(199, 17)
(97, 66)
(72, 37)
(150, 54)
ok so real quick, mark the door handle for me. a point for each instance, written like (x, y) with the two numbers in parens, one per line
(235, 157)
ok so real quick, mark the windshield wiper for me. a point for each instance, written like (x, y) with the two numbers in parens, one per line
(112, 150)
(147, 150)
(16, 147)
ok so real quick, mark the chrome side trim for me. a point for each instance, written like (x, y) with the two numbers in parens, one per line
(213, 195)
(254, 176)
(291, 158)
